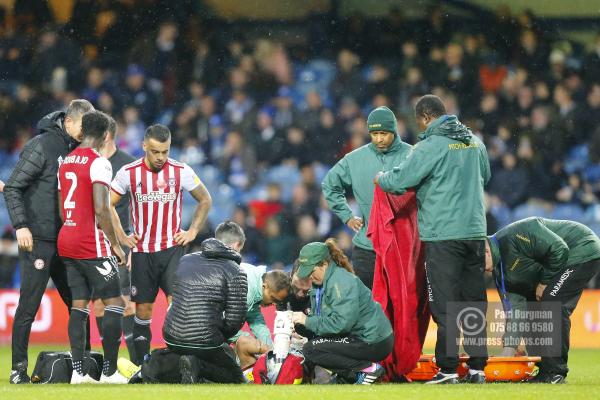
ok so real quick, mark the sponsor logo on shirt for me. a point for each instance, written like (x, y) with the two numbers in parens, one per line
(155, 197)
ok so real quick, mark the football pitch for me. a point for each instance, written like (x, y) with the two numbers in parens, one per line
(583, 381)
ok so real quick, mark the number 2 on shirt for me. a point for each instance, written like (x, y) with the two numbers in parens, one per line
(68, 204)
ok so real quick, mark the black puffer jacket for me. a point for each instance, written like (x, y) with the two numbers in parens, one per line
(209, 297)
(31, 191)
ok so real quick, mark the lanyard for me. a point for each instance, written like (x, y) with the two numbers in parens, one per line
(501, 285)
(318, 297)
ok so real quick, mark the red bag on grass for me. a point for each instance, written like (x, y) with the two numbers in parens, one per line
(291, 371)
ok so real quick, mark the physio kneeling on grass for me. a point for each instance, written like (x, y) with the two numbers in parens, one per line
(351, 332)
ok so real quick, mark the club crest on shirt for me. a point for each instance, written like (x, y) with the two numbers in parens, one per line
(39, 264)
(172, 182)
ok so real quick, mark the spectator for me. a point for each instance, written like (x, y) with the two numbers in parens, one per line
(530, 53)
(511, 183)
(296, 149)
(279, 245)
(267, 141)
(589, 115)
(309, 118)
(238, 162)
(591, 62)
(238, 110)
(284, 114)
(136, 93)
(348, 82)
(567, 112)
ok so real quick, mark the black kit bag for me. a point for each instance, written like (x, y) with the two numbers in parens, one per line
(57, 366)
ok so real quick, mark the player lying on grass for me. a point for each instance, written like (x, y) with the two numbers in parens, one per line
(350, 332)
(548, 261)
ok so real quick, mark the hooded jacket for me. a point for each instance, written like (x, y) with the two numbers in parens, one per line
(355, 172)
(31, 191)
(209, 298)
(448, 168)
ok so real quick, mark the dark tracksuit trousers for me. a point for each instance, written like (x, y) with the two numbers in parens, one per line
(363, 262)
(566, 287)
(36, 268)
(456, 286)
(214, 364)
(346, 355)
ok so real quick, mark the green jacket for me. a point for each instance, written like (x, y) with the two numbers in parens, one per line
(254, 316)
(356, 172)
(449, 168)
(535, 250)
(347, 309)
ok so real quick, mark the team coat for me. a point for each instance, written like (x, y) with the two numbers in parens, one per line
(535, 250)
(448, 168)
(80, 236)
(156, 201)
(347, 309)
(538, 250)
(30, 192)
(355, 172)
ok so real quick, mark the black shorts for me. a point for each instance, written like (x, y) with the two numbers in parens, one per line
(96, 278)
(150, 271)
(125, 276)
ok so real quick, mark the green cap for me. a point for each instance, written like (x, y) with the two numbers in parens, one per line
(382, 119)
(311, 255)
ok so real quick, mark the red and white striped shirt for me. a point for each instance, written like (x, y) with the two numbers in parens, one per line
(80, 237)
(155, 200)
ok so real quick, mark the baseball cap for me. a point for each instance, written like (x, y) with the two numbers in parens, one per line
(311, 255)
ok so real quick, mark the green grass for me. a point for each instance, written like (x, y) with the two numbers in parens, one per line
(583, 381)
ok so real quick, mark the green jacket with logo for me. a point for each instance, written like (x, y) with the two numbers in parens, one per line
(356, 172)
(448, 168)
(347, 309)
(535, 250)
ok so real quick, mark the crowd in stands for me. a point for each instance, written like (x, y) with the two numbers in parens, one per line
(261, 115)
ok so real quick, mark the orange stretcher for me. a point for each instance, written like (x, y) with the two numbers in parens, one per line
(498, 369)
